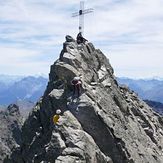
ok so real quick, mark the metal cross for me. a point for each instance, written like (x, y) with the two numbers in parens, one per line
(81, 14)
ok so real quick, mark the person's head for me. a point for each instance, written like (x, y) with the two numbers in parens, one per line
(58, 111)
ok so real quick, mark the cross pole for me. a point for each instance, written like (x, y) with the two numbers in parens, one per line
(81, 14)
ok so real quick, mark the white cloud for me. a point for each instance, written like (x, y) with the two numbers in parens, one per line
(130, 31)
(16, 54)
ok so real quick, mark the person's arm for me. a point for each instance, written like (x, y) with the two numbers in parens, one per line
(85, 40)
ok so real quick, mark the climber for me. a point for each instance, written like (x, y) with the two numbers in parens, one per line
(76, 82)
(80, 39)
(56, 116)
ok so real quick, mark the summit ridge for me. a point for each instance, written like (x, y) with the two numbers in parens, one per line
(107, 123)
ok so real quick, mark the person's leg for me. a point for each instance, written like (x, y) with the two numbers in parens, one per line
(74, 90)
(78, 89)
(55, 127)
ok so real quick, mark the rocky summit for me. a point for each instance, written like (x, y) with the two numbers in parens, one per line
(107, 123)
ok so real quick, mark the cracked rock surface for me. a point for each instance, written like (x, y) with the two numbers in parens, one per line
(106, 124)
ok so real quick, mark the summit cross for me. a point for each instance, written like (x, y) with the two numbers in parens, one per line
(81, 14)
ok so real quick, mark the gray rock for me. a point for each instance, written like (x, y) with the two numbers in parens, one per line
(69, 39)
(10, 130)
(106, 124)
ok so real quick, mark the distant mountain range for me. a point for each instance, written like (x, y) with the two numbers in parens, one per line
(147, 89)
(157, 106)
(8, 80)
(14, 88)
(25, 91)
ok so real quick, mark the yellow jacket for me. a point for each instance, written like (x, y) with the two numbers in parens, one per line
(56, 118)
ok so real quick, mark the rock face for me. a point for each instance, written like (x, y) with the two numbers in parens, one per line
(106, 124)
(10, 130)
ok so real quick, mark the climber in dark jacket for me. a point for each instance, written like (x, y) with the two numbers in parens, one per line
(80, 39)
(76, 82)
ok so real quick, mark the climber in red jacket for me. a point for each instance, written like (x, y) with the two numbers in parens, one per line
(76, 82)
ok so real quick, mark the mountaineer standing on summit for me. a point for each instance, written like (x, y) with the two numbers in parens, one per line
(80, 39)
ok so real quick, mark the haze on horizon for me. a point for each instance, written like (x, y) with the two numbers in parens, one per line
(129, 33)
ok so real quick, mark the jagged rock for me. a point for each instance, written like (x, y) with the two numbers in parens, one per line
(10, 130)
(69, 39)
(106, 124)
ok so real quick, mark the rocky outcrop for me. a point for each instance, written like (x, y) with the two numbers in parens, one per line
(108, 123)
(10, 130)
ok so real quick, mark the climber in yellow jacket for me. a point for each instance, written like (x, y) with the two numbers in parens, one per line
(56, 116)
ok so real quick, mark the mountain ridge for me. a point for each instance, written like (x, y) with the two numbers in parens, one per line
(108, 123)
(137, 85)
(146, 89)
(157, 106)
(30, 88)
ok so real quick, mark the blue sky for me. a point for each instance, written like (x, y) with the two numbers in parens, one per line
(128, 32)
